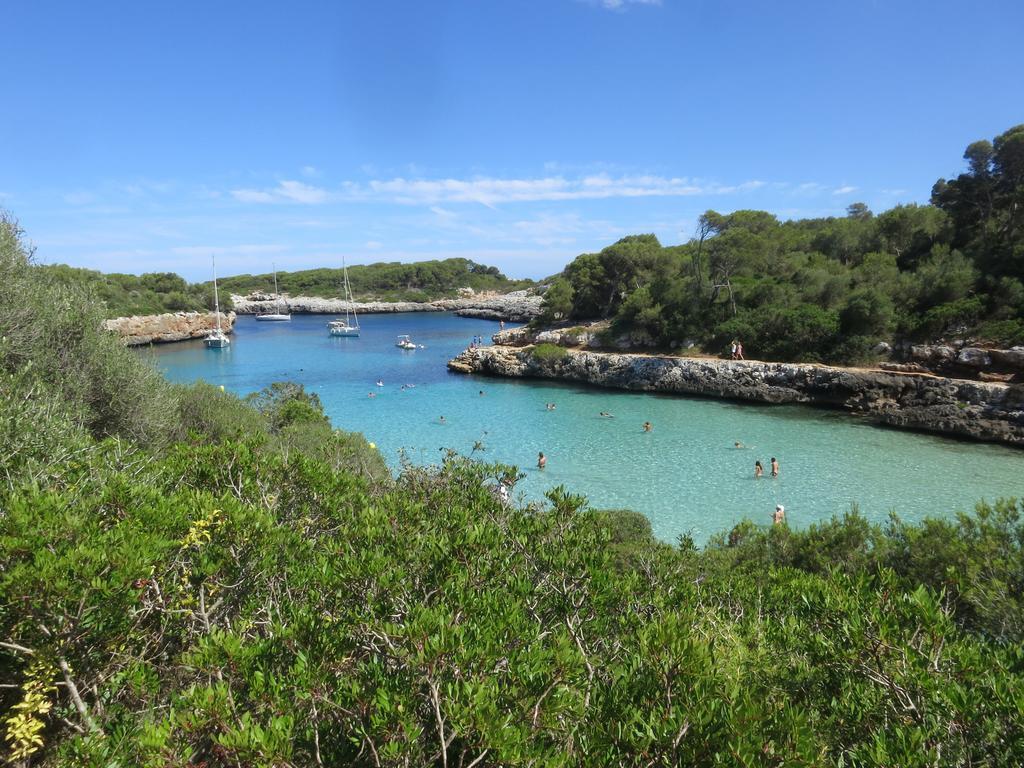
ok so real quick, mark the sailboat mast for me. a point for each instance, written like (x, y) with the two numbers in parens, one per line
(216, 298)
(277, 296)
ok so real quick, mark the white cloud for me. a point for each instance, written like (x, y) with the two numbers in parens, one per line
(844, 190)
(310, 172)
(491, 191)
(285, 192)
(373, 245)
(620, 5)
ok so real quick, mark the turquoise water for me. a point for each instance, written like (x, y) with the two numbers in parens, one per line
(686, 475)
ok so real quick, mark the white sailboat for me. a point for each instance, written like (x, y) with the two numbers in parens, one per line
(217, 338)
(350, 325)
(278, 316)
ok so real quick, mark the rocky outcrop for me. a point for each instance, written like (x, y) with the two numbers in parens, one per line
(963, 360)
(518, 306)
(977, 410)
(175, 326)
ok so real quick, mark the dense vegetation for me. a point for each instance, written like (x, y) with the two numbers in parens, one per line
(150, 294)
(824, 289)
(385, 281)
(157, 292)
(187, 578)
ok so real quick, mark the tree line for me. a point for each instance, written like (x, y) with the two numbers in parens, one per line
(826, 289)
(120, 295)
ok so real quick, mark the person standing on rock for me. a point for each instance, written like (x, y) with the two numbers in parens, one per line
(739, 350)
(775, 467)
(732, 350)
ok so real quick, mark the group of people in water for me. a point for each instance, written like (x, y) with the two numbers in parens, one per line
(759, 470)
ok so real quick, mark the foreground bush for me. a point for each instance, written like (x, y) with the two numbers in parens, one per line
(227, 606)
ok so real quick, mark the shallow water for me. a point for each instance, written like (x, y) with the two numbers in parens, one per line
(685, 475)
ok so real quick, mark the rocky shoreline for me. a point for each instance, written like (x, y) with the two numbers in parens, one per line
(516, 307)
(977, 410)
(139, 330)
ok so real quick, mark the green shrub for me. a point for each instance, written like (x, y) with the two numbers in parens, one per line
(549, 353)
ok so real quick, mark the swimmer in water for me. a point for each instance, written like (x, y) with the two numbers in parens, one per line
(648, 426)
(481, 393)
(775, 467)
(605, 415)
(758, 469)
(542, 460)
(443, 420)
(371, 394)
(737, 445)
(780, 515)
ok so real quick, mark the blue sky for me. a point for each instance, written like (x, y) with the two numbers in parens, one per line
(139, 136)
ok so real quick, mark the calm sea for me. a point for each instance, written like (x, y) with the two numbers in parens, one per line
(685, 475)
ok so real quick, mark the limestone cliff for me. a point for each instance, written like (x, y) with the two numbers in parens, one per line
(519, 306)
(978, 410)
(173, 326)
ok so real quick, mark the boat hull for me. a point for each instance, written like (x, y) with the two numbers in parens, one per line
(216, 343)
(274, 318)
(343, 331)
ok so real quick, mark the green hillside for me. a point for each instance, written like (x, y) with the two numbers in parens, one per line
(386, 281)
(156, 292)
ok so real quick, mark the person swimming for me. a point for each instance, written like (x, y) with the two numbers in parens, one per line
(648, 426)
(443, 420)
(549, 406)
(775, 467)
(779, 517)
(605, 415)
(542, 460)
(738, 445)
(758, 469)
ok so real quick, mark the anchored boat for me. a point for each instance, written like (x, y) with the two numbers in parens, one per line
(350, 325)
(217, 338)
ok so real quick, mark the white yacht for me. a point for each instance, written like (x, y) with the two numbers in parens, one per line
(278, 315)
(350, 325)
(404, 342)
(217, 338)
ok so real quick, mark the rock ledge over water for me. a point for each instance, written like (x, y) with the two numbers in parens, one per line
(977, 410)
(172, 326)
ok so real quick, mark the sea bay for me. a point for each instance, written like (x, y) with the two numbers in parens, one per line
(686, 475)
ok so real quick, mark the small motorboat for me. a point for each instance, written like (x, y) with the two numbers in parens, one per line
(404, 342)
